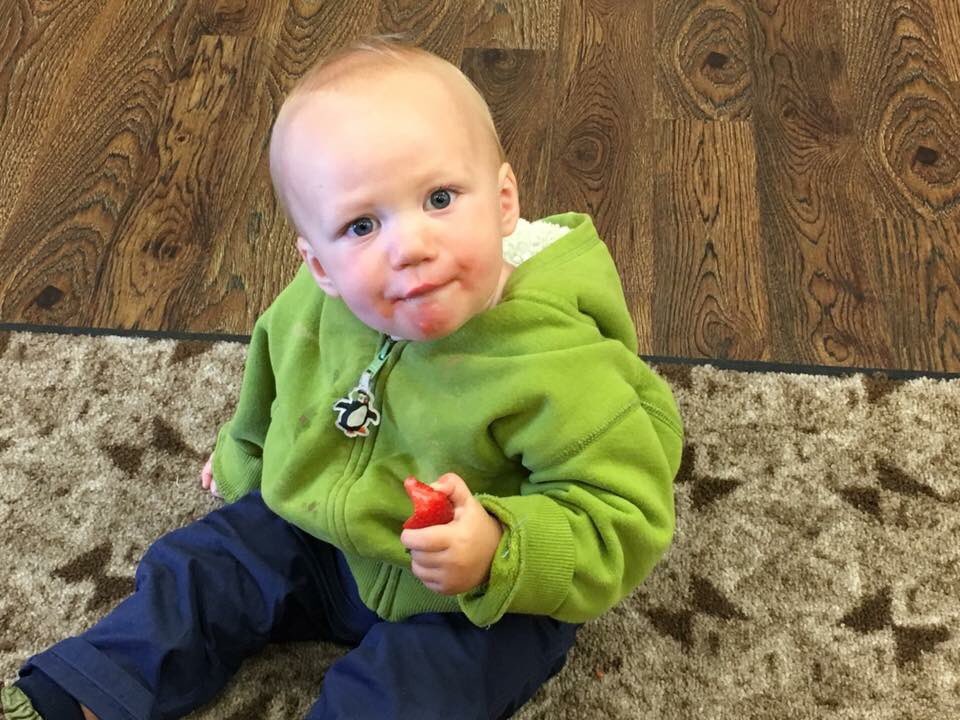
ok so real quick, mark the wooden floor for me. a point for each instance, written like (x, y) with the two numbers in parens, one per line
(779, 180)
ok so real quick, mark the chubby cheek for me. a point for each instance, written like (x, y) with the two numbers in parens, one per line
(366, 301)
(480, 273)
(375, 308)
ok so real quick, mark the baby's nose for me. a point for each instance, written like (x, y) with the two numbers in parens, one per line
(410, 244)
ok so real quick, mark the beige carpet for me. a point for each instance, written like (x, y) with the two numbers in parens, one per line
(815, 573)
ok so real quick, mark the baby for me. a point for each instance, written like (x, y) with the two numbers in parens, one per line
(516, 391)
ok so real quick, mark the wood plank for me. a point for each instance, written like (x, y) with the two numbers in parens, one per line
(921, 269)
(18, 29)
(307, 31)
(435, 25)
(704, 59)
(37, 45)
(908, 118)
(254, 256)
(98, 154)
(201, 249)
(150, 276)
(946, 17)
(710, 298)
(601, 159)
(513, 24)
(815, 200)
(516, 86)
(236, 18)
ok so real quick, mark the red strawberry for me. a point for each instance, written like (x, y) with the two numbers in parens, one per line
(430, 507)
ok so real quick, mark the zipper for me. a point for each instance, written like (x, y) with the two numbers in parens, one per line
(356, 412)
(369, 376)
(356, 415)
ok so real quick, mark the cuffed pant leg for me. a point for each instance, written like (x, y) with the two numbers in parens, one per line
(207, 596)
(441, 666)
(48, 698)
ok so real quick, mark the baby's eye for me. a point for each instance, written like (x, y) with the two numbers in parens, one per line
(361, 226)
(440, 199)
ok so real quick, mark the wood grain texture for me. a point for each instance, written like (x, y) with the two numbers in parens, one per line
(150, 273)
(704, 67)
(946, 16)
(710, 269)
(908, 117)
(920, 263)
(39, 45)
(513, 24)
(18, 29)
(601, 161)
(777, 180)
(516, 86)
(814, 192)
(307, 30)
(435, 25)
(94, 157)
(236, 17)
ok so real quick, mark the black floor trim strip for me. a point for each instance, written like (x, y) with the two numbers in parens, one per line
(147, 334)
(738, 365)
(763, 366)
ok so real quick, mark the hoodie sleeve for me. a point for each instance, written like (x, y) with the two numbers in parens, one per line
(590, 523)
(238, 455)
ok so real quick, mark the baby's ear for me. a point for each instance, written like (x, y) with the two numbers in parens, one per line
(509, 198)
(324, 282)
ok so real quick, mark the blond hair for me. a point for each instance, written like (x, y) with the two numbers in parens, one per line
(373, 52)
(366, 56)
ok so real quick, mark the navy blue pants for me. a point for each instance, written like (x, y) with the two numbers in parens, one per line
(215, 592)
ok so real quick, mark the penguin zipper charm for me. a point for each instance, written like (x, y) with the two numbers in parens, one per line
(355, 412)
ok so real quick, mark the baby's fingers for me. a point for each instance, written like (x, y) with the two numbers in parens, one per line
(206, 475)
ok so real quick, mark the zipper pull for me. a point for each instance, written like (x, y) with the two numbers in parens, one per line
(355, 411)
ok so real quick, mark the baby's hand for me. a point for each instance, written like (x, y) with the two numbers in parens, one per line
(455, 557)
(206, 478)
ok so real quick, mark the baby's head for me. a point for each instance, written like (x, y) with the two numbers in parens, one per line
(388, 164)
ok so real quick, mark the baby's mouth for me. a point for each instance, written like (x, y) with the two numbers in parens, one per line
(422, 290)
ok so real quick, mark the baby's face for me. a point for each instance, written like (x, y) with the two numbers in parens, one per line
(402, 205)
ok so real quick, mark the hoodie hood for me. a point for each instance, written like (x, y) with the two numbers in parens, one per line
(564, 262)
(529, 238)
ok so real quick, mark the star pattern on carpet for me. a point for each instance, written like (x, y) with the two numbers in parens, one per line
(874, 614)
(704, 489)
(186, 349)
(891, 479)
(92, 565)
(164, 438)
(705, 599)
(864, 499)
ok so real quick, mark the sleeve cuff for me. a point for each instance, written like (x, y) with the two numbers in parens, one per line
(533, 566)
(235, 471)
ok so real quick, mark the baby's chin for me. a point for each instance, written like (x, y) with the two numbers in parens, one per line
(432, 317)
(426, 326)
(426, 329)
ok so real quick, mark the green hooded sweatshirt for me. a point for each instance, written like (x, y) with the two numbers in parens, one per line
(540, 403)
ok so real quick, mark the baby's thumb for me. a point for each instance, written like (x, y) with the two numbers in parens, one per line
(454, 487)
